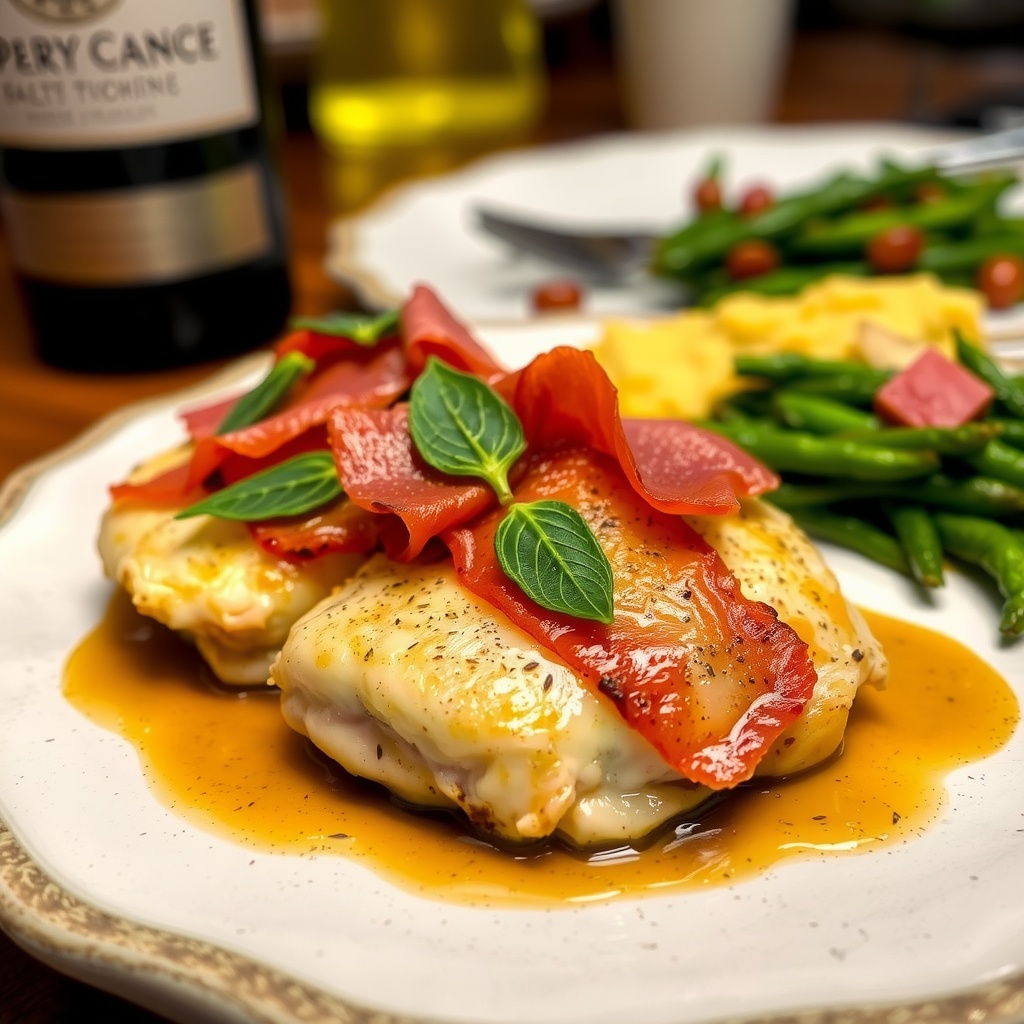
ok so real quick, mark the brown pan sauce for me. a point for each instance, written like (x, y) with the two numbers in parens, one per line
(225, 761)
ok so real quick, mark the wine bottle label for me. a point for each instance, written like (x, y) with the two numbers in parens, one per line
(97, 73)
(139, 236)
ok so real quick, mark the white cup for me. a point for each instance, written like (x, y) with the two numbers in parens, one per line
(701, 62)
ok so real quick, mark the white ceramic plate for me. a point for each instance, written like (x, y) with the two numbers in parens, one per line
(426, 230)
(101, 880)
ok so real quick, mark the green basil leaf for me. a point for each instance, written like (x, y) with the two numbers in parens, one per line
(257, 404)
(547, 549)
(462, 427)
(297, 485)
(362, 328)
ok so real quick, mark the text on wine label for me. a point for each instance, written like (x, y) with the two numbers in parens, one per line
(108, 51)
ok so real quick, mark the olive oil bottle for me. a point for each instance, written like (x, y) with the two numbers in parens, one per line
(403, 73)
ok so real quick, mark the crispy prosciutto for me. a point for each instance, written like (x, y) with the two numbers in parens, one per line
(340, 527)
(698, 682)
(429, 328)
(652, 674)
(383, 474)
(709, 677)
(674, 466)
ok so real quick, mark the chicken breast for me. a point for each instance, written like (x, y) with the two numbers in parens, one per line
(208, 579)
(404, 677)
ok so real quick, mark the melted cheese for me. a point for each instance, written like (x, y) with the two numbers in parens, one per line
(405, 678)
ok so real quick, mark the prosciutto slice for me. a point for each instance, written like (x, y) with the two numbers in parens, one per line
(430, 329)
(676, 466)
(383, 474)
(707, 676)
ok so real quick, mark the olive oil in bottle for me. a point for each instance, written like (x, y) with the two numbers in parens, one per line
(394, 73)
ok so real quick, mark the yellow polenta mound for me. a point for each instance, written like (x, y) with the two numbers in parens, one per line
(678, 366)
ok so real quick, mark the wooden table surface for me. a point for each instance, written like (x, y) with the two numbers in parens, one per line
(43, 408)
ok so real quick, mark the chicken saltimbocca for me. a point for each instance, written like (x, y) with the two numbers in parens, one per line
(488, 591)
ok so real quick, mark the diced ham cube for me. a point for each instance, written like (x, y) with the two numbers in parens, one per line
(933, 392)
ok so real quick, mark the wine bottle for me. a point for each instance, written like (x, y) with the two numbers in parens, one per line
(138, 187)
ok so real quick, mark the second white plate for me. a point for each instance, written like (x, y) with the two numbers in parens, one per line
(426, 231)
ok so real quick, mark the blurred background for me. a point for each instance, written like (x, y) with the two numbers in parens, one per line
(611, 65)
(956, 62)
(950, 63)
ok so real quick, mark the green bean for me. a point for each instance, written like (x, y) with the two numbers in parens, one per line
(839, 380)
(997, 550)
(820, 415)
(808, 453)
(704, 242)
(1001, 461)
(854, 533)
(856, 389)
(993, 221)
(752, 404)
(847, 236)
(1010, 431)
(825, 229)
(915, 530)
(788, 366)
(969, 439)
(1009, 390)
(976, 495)
(966, 255)
(906, 191)
(698, 244)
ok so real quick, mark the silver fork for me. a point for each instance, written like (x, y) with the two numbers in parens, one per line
(611, 256)
(603, 256)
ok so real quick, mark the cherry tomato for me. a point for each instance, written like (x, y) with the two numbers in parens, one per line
(756, 199)
(930, 192)
(708, 195)
(751, 259)
(895, 250)
(1001, 280)
(560, 294)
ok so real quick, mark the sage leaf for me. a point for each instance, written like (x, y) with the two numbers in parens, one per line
(259, 403)
(363, 328)
(299, 484)
(464, 428)
(548, 550)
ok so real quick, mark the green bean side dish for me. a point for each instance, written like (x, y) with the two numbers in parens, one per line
(907, 497)
(898, 220)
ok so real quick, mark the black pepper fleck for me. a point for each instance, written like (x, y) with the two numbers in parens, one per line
(610, 687)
